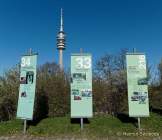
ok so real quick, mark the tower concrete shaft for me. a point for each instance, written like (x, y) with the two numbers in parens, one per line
(61, 59)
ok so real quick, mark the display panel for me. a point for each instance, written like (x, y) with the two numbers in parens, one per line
(27, 87)
(137, 85)
(81, 86)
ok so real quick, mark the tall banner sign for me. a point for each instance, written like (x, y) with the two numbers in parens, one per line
(81, 86)
(27, 87)
(137, 85)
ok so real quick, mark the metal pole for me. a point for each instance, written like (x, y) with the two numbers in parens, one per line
(134, 50)
(81, 123)
(139, 119)
(81, 51)
(25, 124)
(30, 51)
(81, 119)
(25, 121)
(139, 123)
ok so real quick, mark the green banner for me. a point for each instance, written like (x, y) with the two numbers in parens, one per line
(137, 85)
(81, 86)
(27, 87)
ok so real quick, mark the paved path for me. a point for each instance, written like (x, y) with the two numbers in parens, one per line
(26, 137)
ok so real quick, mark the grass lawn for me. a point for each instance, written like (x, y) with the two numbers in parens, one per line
(99, 126)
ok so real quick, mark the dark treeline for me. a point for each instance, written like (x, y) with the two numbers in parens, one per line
(53, 89)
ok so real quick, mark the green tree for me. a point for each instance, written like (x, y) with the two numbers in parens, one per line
(109, 84)
(52, 96)
(160, 72)
(9, 84)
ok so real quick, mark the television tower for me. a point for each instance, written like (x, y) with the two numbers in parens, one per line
(61, 41)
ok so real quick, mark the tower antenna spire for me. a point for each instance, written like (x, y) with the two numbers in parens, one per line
(62, 24)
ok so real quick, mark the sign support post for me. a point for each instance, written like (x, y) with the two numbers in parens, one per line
(139, 119)
(139, 123)
(81, 119)
(25, 125)
(81, 123)
(25, 120)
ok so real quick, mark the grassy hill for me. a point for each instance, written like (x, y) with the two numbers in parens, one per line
(99, 126)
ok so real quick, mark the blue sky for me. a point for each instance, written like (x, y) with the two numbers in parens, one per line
(97, 26)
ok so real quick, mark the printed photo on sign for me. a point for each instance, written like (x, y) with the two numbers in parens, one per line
(142, 81)
(28, 79)
(86, 92)
(78, 77)
(77, 97)
(75, 92)
(140, 97)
